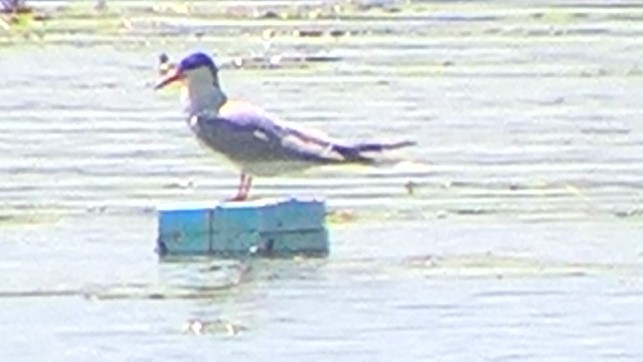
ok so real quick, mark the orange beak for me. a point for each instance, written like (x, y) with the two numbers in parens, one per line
(171, 77)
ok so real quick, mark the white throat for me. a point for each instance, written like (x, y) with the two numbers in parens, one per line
(201, 92)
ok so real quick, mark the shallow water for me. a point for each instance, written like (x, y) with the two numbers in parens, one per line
(521, 240)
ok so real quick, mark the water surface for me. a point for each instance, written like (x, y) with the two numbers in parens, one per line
(521, 240)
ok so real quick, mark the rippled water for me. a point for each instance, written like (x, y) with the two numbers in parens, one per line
(520, 241)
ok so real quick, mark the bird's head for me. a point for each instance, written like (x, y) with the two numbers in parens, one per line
(195, 68)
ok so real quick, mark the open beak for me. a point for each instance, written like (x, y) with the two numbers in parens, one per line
(171, 77)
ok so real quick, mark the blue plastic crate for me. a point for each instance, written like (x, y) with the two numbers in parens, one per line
(271, 227)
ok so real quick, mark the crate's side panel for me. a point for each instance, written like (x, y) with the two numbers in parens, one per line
(184, 231)
(184, 243)
(292, 215)
(238, 242)
(184, 221)
(295, 242)
(236, 217)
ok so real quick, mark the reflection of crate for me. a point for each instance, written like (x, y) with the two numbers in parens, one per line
(277, 227)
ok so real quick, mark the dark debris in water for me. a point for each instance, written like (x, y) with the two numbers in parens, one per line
(471, 211)
(624, 214)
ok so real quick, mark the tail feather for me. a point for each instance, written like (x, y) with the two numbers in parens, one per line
(355, 152)
(379, 147)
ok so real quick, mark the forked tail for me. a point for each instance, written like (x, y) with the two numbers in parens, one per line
(355, 153)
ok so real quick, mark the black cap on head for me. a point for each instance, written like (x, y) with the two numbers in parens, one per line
(197, 60)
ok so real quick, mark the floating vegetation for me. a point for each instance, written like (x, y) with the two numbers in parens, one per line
(280, 61)
(500, 266)
(267, 59)
(341, 217)
(216, 326)
(30, 218)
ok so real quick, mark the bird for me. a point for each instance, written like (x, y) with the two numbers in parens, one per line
(254, 141)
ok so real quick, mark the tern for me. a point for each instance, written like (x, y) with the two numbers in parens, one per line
(255, 142)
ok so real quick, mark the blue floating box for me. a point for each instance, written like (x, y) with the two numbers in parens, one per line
(273, 227)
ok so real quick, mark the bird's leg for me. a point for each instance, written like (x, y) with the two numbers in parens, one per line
(247, 186)
(245, 181)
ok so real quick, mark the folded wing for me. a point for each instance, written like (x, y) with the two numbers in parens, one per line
(252, 129)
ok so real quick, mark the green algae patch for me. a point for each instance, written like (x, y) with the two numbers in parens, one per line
(498, 266)
(26, 219)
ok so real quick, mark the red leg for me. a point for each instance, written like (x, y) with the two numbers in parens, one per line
(245, 181)
(247, 185)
